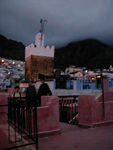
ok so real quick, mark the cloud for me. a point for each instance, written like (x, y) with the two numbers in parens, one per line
(67, 20)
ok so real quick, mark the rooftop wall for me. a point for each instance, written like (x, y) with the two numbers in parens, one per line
(90, 108)
(42, 51)
(39, 49)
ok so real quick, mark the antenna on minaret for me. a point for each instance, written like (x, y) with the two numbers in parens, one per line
(42, 21)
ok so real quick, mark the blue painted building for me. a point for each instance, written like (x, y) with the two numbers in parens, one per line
(63, 82)
(67, 83)
(88, 84)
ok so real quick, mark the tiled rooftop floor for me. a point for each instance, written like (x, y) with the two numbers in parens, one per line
(76, 138)
(71, 138)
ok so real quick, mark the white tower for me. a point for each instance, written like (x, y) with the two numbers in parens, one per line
(39, 40)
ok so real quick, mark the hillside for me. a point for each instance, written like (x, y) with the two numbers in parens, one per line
(11, 49)
(87, 53)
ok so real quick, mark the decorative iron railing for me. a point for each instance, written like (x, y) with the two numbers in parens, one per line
(23, 119)
(68, 110)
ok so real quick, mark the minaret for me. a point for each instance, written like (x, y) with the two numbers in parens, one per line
(38, 58)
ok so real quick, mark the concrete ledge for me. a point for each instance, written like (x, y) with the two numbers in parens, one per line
(49, 133)
(99, 124)
(104, 123)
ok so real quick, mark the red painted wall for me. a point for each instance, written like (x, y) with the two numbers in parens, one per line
(90, 108)
(48, 115)
(3, 110)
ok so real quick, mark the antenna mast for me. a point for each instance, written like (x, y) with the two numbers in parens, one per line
(42, 22)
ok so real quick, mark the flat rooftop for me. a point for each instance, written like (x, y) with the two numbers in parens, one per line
(76, 138)
(72, 137)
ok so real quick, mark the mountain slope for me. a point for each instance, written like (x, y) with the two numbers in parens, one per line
(11, 49)
(87, 53)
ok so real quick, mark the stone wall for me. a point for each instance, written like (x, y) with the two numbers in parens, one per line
(39, 65)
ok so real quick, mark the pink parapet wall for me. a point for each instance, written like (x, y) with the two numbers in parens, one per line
(48, 116)
(3, 107)
(90, 108)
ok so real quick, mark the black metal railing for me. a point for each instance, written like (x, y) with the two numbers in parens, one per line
(68, 110)
(23, 119)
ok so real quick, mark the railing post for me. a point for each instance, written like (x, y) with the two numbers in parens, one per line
(103, 107)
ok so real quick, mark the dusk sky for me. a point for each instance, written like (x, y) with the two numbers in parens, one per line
(68, 20)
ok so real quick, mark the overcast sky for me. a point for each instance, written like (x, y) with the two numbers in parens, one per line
(68, 20)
